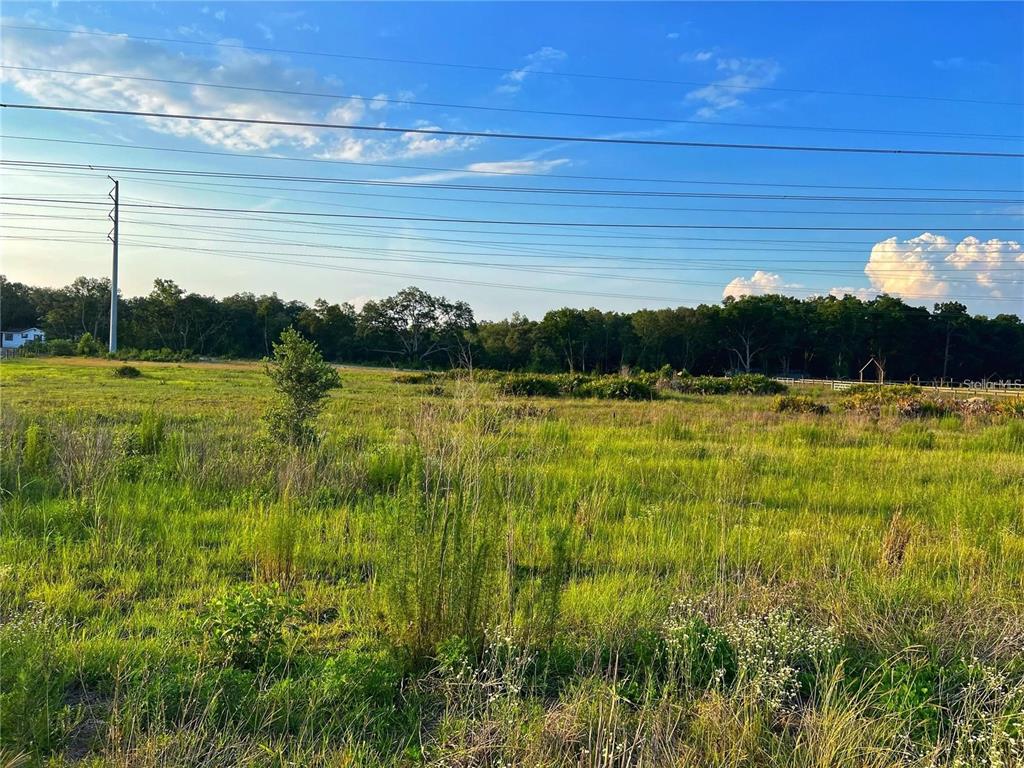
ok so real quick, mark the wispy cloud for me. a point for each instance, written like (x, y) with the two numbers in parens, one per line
(541, 60)
(962, 63)
(737, 76)
(497, 167)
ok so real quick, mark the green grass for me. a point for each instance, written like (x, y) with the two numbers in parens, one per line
(453, 577)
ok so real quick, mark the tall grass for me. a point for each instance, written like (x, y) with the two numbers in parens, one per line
(465, 579)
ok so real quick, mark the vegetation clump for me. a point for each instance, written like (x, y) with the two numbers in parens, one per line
(415, 377)
(126, 372)
(576, 385)
(742, 383)
(615, 388)
(248, 627)
(799, 404)
(302, 380)
(529, 385)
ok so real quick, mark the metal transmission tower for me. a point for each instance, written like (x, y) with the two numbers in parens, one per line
(112, 236)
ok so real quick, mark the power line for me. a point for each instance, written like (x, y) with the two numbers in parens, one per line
(100, 168)
(619, 206)
(492, 172)
(505, 70)
(448, 257)
(516, 222)
(383, 231)
(513, 110)
(259, 214)
(522, 136)
(246, 255)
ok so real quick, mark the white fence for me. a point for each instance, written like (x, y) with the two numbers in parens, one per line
(988, 387)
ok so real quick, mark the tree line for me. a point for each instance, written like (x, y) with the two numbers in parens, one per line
(822, 336)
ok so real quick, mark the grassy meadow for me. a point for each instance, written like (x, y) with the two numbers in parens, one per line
(452, 577)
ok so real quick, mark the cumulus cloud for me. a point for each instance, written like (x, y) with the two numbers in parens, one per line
(927, 268)
(737, 76)
(228, 66)
(932, 266)
(541, 60)
(760, 283)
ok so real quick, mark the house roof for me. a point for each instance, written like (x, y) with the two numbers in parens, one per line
(20, 330)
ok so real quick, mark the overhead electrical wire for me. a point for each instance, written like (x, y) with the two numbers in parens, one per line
(514, 110)
(404, 233)
(249, 256)
(101, 168)
(505, 70)
(677, 144)
(514, 222)
(447, 257)
(470, 171)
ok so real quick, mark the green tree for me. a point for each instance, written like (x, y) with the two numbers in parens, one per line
(302, 379)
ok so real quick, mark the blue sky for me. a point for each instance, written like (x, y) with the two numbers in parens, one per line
(760, 65)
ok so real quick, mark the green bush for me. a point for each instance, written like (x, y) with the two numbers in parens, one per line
(615, 388)
(702, 385)
(126, 372)
(59, 347)
(529, 385)
(88, 346)
(415, 377)
(248, 627)
(301, 379)
(798, 404)
(755, 384)
(162, 355)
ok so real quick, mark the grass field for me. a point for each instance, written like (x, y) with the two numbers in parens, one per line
(454, 578)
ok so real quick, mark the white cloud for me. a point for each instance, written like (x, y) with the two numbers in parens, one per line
(227, 65)
(540, 60)
(738, 77)
(511, 167)
(267, 32)
(672, 36)
(758, 284)
(932, 266)
(864, 294)
(698, 57)
(420, 144)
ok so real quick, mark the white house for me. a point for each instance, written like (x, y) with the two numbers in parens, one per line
(17, 337)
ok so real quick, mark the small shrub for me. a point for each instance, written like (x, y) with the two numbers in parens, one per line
(529, 385)
(615, 388)
(38, 450)
(755, 384)
(88, 346)
(302, 379)
(798, 404)
(126, 372)
(415, 377)
(59, 347)
(703, 385)
(248, 627)
(1012, 408)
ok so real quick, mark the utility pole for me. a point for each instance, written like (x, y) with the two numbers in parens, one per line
(112, 236)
